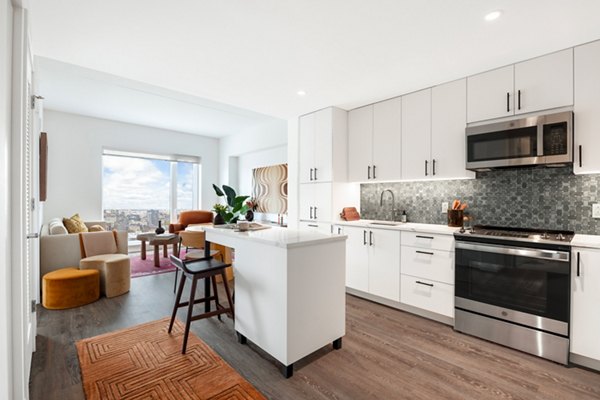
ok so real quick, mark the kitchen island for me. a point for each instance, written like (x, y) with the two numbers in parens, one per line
(289, 289)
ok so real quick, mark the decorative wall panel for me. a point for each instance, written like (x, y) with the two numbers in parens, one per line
(270, 188)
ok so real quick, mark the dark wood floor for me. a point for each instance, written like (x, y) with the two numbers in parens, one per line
(387, 354)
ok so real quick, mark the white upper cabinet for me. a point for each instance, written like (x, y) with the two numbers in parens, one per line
(448, 123)
(587, 108)
(538, 84)
(416, 135)
(387, 140)
(319, 159)
(490, 94)
(360, 144)
(544, 82)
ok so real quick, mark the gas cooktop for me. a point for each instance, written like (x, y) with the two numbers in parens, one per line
(521, 234)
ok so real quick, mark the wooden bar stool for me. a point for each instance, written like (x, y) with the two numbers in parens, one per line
(194, 240)
(207, 269)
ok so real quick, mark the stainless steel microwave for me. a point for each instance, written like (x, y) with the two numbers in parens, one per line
(538, 140)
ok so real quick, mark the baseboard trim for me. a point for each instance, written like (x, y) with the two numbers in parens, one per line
(584, 361)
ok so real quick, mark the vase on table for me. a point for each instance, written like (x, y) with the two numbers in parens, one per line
(160, 230)
(219, 220)
(249, 215)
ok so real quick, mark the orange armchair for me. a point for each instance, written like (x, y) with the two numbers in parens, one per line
(191, 217)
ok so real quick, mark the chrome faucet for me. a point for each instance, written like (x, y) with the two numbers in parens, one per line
(393, 201)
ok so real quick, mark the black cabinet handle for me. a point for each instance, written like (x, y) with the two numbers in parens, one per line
(424, 252)
(311, 174)
(370, 238)
(311, 213)
(313, 225)
(507, 102)
(369, 172)
(339, 230)
(424, 283)
(519, 99)
(315, 174)
(374, 177)
(365, 238)
(433, 166)
(425, 237)
(315, 212)
(426, 164)
(580, 152)
(578, 263)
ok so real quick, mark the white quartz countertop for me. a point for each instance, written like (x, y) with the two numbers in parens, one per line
(591, 241)
(276, 236)
(400, 226)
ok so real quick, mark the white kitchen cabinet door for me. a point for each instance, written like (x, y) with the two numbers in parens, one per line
(544, 82)
(448, 123)
(384, 263)
(436, 265)
(427, 295)
(585, 300)
(307, 147)
(490, 94)
(306, 201)
(587, 108)
(322, 201)
(387, 140)
(360, 139)
(357, 259)
(323, 145)
(416, 135)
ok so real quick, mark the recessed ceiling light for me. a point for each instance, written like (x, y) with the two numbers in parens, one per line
(301, 93)
(493, 15)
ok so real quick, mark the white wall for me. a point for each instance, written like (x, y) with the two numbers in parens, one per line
(75, 145)
(293, 181)
(262, 158)
(266, 136)
(6, 14)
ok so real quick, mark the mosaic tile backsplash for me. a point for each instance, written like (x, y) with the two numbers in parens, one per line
(545, 198)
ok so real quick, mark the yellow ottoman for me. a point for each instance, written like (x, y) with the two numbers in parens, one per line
(70, 287)
(115, 272)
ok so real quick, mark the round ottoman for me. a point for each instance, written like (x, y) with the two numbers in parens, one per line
(115, 272)
(70, 287)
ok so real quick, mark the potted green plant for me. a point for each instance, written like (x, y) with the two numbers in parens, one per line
(220, 211)
(236, 205)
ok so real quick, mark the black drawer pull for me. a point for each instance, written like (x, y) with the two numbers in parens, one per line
(426, 167)
(507, 102)
(580, 161)
(370, 238)
(316, 174)
(313, 225)
(365, 238)
(424, 283)
(578, 263)
(311, 213)
(425, 237)
(374, 167)
(424, 252)
(519, 100)
(315, 212)
(369, 172)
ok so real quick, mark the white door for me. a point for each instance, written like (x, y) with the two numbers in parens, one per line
(306, 201)
(357, 261)
(307, 147)
(416, 135)
(448, 123)
(360, 139)
(384, 263)
(387, 140)
(544, 82)
(323, 145)
(585, 298)
(490, 94)
(587, 108)
(322, 202)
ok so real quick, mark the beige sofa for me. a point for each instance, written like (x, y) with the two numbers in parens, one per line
(59, 251)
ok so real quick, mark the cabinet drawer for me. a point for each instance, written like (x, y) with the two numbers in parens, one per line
(427, 295)
(428, 241)
(437, 265)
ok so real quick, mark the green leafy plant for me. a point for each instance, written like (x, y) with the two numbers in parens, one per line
(220, 209)
(236, 205)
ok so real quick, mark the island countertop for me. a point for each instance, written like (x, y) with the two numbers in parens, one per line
(274, 236)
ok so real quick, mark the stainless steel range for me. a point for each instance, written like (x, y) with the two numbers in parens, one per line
(513, 288)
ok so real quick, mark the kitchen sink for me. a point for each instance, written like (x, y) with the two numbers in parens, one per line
(386, 223)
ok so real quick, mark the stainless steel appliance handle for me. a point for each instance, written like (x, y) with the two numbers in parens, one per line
(561, 256)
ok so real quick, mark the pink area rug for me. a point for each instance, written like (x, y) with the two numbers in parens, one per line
(146, 267)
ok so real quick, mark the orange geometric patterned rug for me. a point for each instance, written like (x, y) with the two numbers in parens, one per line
(145, 362)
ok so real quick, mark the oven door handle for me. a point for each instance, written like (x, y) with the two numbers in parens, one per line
(561, 256)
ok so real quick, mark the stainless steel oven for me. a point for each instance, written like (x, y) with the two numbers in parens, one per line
(514, 292)
(537, 140)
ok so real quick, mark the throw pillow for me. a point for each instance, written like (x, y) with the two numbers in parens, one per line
(96, 228)
(56, 227)
(75, 224)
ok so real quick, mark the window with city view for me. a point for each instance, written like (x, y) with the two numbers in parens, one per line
(139, 191)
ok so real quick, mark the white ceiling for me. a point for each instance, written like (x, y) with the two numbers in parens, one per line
(258, 54)
(79, 90)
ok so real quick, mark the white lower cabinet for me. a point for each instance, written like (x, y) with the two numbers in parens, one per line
(357, 259)
(315, 226)
(427, 295)
(429, 264)
(585, 300)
